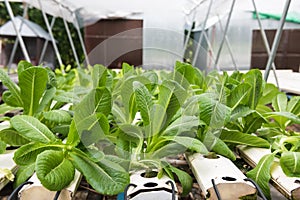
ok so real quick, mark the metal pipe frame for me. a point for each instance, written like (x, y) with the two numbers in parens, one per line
(209, 48)
(195, 7)
(51, 34)
(22, 44)
(224, 36)
(46, 42)
(228, 46)
(188, 36)
(68, 33)
(201, 35)
(76, 24)
(265, 40)
(13, 52)
(276, 40)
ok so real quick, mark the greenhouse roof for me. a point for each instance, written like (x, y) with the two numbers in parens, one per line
(27, 29)
(93, 10)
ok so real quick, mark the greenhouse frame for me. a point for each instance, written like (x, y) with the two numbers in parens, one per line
(195, 99)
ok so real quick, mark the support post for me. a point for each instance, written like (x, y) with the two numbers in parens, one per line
(69, 34)
(81, 39)
(22, 44)
(51, 34)
(212, 55)
(188, 36)
(276, 40)
(46, 42)
(201, 35)
(265, 40)
(229, 47)
(224, 36)
(13, 52)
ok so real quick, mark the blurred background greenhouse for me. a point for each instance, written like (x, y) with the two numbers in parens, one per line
(153, 32)
(125, 99)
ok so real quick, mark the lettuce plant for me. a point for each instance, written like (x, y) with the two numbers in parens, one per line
(34, 95)
(259, 115)
(285, 141)
(135, 119)
(35, 130)
(54, 160)
(225, 106)
(153, 118)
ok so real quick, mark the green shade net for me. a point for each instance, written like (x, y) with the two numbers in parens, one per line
(291, 17)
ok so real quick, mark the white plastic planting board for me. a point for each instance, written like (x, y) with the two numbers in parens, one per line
(37, 191)
(288, 186)
(150, 188)
(228, 178)
(6, 162)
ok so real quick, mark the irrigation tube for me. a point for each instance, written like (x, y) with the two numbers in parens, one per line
(126, 189)
(276, 40)
(224, 36)
(51, 34)
(201, 35)
(265, 40)
(173, 189)
(22, 44)
(14, 194)
(216, 189)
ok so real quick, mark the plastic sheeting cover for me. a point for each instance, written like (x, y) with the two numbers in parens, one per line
(28, 29)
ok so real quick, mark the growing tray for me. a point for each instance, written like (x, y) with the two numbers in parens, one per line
(288, 186)
(228, 179)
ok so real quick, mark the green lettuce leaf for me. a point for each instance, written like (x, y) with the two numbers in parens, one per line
(261, 173)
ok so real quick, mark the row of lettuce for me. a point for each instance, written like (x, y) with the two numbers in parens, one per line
(107, 124)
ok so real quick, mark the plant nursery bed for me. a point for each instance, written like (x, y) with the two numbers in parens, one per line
(86, 192)
(108, 124)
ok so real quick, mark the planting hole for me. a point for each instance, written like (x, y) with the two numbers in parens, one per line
(149, 174)
(150, 184)
(228, 178)
(211, 156)
(297, 181)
